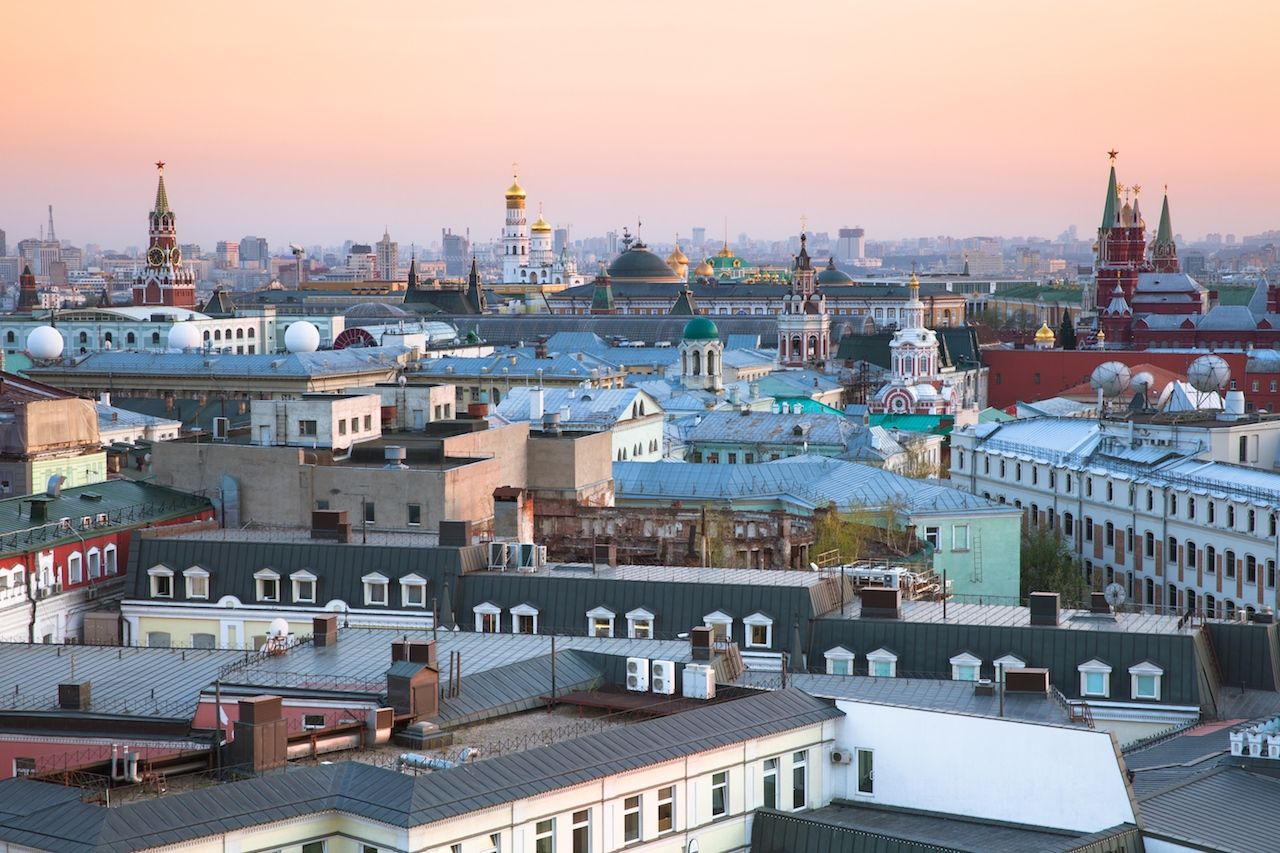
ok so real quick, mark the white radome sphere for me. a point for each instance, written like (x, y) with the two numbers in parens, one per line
(183, 336)
(302, 336)
(44, 342)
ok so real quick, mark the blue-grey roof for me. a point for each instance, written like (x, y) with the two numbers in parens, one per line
(811, 481)
(1229, 808)
(230, 366)
(114, 417)
(516, 363)
(597, 408)
(403, 800)
(774, 429)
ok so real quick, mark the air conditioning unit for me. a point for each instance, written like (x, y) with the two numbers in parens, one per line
(664, 677)
(542, 555)
(699, 682)
(638, 674)
(103, 518)
(42, 592)
(86, 521)
(841, 756)
(527, 554)
(57, 588)
(221, 428)
(91, 592)
(498, 556)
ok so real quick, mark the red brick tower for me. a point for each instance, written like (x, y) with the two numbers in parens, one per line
(163, 280)
(1121, 256)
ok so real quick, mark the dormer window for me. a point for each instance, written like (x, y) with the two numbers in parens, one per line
(600, 622)
(759, 627)
(1004, 663)
(721, 625)
(640, 624)
(839, 661)
(413, 591)
(267, 582)
(524, 619)
(1095, 678)
(161, 581)
(965, 667)
(1145, 681)
(375, 589)
(487, 617)
(304, 587)
(197, 579)
(882, 663)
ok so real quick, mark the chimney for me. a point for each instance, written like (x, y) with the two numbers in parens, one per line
(551, 423)
(260, 733)
(414, 651)
(535, 405)
(39, 511)
(1044, 608)
(105, 398)
(700, 643)
(324, 630)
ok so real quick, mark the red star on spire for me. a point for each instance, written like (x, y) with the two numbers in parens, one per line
(160, 165)
(1112, 154)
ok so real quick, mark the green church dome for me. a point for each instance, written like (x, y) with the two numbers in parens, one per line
(701, 329)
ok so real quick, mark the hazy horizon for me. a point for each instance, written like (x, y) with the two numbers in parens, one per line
(302, 122)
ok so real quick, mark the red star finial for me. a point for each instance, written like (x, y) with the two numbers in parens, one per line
(160, 165)
(1112, 154)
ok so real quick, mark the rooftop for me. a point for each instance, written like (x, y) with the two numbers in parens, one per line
(228, 366)
(1011, 616)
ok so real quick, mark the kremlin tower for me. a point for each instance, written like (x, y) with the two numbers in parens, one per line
(164, 281)
(515, 233)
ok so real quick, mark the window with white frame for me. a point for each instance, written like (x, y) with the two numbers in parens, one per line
(1095, 678)
(965, 667)
(600, 622)
(580, 835)
(640, 624)
(304, 587)
(631, 825)
(544, 836)
(866, 772)
(1145, 680)
(799, 779)
(268, 584)
(882, 663)
(720, 623)
(161, 581)
(720, 794)
(960, 537)
(769, 784)
(413, 590)
(109, 560)
(95, 563)
(759, 630)
(666, 809)
(75, 568)
(839, 661)
(1004, 663)
(933, 537)
(375, 589)
(524, 619)
(197, 582)
(495, 843)
(487, 617)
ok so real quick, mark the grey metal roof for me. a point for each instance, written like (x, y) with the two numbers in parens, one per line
(865, 828)
(811, 481)
(770, 429)
(230, 366)
(597, 407)
(406, 801)
(511, 329)
(1227, 809)
(518, 687)
(337, 567)
(932, 694)
(125, 680)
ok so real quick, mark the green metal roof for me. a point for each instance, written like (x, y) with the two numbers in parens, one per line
(935, 424)
(1164, 235)
(1109, 209)
(701, 329)
(809, 405)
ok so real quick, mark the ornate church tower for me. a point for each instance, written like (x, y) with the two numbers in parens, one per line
(164, 281)
(804, 330)
(1121, 257)
(515, 234)
(1164, 252)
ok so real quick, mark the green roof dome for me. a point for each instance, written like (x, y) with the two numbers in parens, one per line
(701, 329)
(833, 275)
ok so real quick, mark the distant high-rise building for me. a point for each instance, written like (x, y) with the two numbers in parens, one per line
(699, 238)
(851, 244)
(4, 248)
(362, 262)
(254, 253)
(561, 240)
(228, 255)
(456, 249)
(388, 258)
(164, 280)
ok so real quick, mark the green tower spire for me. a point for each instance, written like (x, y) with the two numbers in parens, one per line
(1109, 209)
(1164, 234)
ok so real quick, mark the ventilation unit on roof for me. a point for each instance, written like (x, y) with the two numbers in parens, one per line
(221, 428)
(498, 556)
(664, 677)
(638, 674)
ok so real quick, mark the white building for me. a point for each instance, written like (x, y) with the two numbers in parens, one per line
(528, 253)
(633, 416)
(1183, 513)
(388, 258)
(317, 420)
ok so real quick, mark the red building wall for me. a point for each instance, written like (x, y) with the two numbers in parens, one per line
(1030, 375)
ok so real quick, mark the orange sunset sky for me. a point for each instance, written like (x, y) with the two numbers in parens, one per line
(320, 121)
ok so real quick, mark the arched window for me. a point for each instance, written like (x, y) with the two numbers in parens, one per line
(239, 334)
(9, 337)
(684, 363)
(206, 335)
(711, 363)
(251, 333)
(697, 363)
(84, 337)
(155, 338)
(217, 334)
(130, 338)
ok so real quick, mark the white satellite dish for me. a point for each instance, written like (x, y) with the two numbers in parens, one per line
(1115, 594)
(1110, 377)
(278, 628)
(1142, 382)
(1208, 373)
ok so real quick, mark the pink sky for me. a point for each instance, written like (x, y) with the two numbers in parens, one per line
(318, 121)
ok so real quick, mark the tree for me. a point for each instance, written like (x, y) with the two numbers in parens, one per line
(1047, 566)
(1067, 331)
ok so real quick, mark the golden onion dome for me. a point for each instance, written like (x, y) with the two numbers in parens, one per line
(677, 256)
(704, 269)
(1045, 335)
(725, 251)
(515, 190)
(540, 224)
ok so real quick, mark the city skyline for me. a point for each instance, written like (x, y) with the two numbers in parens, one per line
(871, 116)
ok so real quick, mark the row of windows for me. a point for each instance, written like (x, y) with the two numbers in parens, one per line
(267, 586)
(602, 622)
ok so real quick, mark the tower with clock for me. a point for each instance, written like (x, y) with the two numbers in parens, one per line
(163, 280)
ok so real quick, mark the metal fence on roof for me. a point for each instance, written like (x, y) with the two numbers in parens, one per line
(53, 531)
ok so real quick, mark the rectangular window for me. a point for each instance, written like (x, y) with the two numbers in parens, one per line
(368, 423)
(631, 819)
(313, 721)
(882, 669)
(306, 427)
(488, 623)
(268, 589)
(544, 838)
(304, 591)
(960, 537)
(1095, 684)
(582, 831)
(161, 586)
(666, 809)
(601, 626)
(866, 772)
(197, 587)
(758, 635)
(770, 791)
(110, 555)
(313, 847)
(720, 794)
(799, 779)
(933, 537)
(342, 427)
(370, 515)
(414, 595)
(95, 564)
(415, 515)
(75, 572)
(1145, 687)
(375, 593)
